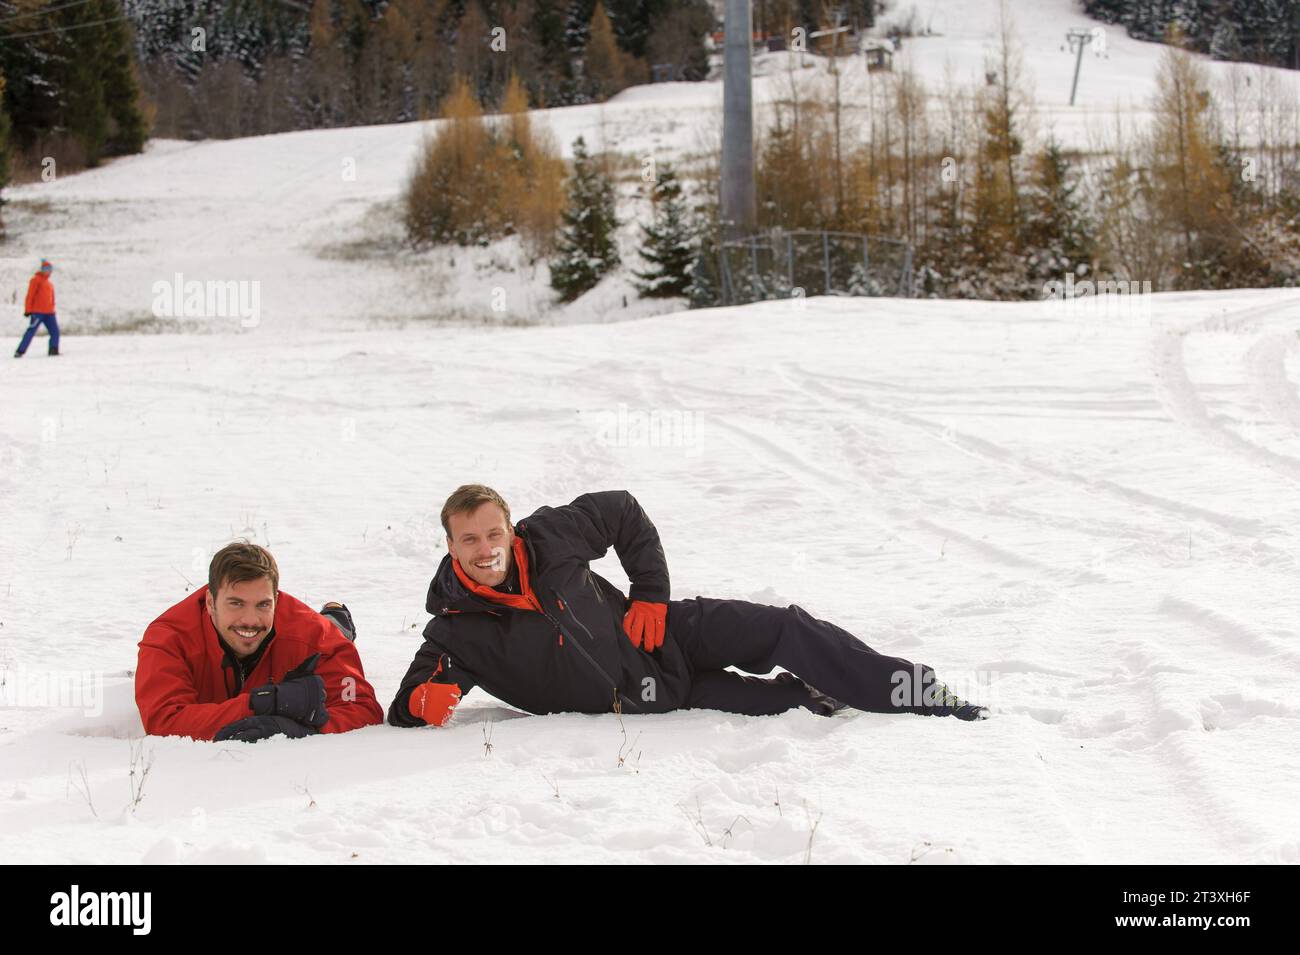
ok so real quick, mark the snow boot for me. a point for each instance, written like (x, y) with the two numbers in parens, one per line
(342, 618)
(948, 703)
(817, 702)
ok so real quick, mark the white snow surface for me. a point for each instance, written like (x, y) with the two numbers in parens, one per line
(1085, 519)
(1086, 522)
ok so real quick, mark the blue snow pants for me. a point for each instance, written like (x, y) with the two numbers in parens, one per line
(51, 322)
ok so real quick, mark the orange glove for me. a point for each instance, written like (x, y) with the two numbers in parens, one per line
(645, 621)
(433, 702)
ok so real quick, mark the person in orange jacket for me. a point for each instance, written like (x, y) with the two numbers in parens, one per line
(240, 660)
(38, 309)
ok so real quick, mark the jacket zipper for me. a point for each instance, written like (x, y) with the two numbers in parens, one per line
(618, 697)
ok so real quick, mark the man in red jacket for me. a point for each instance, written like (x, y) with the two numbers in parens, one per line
(209, 666)
(38, 309)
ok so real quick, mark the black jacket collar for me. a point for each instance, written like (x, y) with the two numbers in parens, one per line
(242, 667)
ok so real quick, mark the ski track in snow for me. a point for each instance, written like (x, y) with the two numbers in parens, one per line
(980, 447)
(1268, 378)
(1184, 404)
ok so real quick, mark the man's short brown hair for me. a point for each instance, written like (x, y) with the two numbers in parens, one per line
(241, 561)
(468, 498)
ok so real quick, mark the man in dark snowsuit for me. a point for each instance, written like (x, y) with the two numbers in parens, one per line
(518, 612)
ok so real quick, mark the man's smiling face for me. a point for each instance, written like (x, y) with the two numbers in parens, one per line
(481, 541)
(243, 614)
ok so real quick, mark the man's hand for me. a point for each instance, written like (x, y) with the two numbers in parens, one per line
(306, 668)
(251, 729)
(27, 314)
(644, 623)
(300, 696)
(433, 702)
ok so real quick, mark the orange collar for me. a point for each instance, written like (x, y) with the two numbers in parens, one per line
(525, 600)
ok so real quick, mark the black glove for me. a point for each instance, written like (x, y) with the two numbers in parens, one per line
(299, 696)
(253, 728)
(27, 314)
(306, 668)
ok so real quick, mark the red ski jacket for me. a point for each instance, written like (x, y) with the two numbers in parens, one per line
(40, 295)
(186, 684)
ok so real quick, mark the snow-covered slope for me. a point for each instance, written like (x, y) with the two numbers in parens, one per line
(313, 217)
(1087, 522)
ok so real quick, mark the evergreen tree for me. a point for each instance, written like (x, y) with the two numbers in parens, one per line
(1224, 44)
(545, 59)
(71, 76)
(121, 90)
(83, 105)
(1109, 11)
(1269, 29)
(669, 242)
(321, 63)
(577, 25)
(1058, 237)
(31, 97)
(587, 247)
(678, 38)
(1263, 31)
(632, 19)
(705, 290)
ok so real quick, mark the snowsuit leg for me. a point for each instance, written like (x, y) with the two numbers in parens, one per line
(715, 634)
(52, 326)
(752, 695)
(34, 322)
